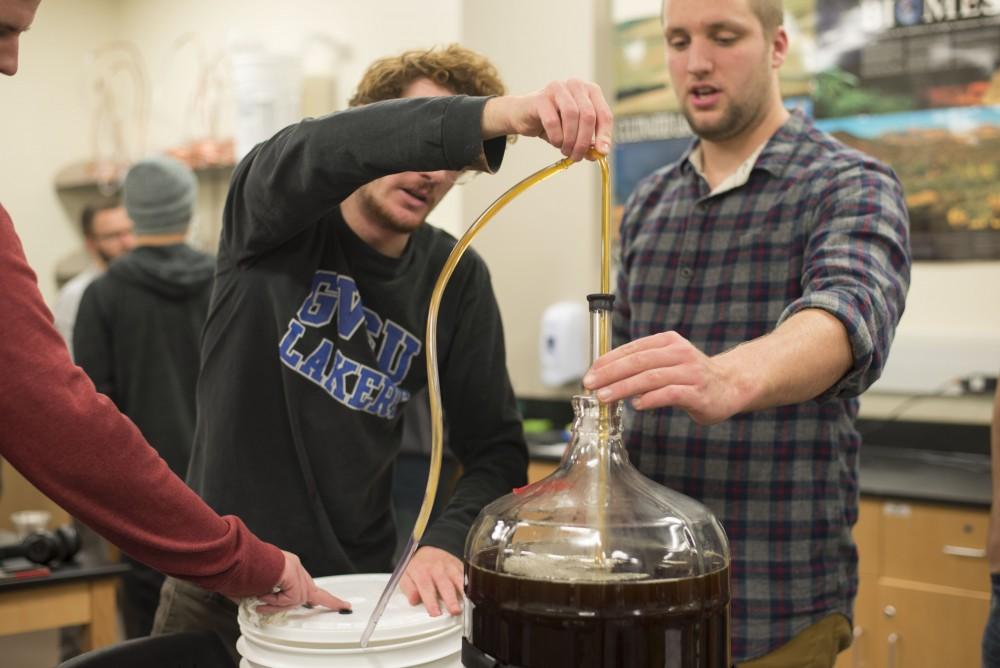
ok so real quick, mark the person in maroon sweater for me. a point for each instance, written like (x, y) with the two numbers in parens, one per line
(75, 446)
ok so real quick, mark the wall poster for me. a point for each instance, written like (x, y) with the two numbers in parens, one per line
(915, 83)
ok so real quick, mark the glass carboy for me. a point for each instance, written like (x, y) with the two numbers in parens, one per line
(596, 566)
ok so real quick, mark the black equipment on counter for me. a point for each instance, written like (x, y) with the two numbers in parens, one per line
(45, 547)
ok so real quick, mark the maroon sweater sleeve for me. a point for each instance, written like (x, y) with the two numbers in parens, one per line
(75, 446)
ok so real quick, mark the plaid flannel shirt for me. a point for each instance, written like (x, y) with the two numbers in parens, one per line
(816, 225)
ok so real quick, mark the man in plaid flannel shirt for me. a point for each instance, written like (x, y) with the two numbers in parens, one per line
(762, 277)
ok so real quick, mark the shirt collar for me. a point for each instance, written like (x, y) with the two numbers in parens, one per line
(775, 156)
(771, 156)
(734, 180)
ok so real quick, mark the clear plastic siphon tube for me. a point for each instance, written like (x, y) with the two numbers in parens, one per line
(433, 380)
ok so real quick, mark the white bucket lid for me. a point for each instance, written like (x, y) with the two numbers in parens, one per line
(441, 651)
(322, 628)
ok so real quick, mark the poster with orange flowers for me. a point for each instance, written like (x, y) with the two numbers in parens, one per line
(915, 83)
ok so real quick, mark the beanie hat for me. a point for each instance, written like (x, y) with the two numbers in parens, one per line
(159, 196)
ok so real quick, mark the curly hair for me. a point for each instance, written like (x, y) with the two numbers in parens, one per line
(458, 69)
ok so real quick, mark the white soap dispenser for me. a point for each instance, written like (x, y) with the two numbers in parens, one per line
(563, 344)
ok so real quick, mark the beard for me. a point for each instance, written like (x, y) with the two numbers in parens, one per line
(737, 116)
(734, 120)
(378, 212)
(106, 258)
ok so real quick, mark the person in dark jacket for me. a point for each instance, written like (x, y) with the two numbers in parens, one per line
(315, 340)
(137, 335)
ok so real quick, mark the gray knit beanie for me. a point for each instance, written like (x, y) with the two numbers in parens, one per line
(159, 196)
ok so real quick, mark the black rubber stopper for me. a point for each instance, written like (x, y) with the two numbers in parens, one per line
(601, 301)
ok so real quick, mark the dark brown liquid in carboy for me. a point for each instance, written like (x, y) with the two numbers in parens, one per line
(651, 623)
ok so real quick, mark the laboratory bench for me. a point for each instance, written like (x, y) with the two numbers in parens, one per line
(913, 460)
(81, 592)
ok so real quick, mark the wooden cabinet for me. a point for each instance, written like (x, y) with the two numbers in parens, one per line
(935, 545)
(538, 469)
(928, 626)
(924, 594)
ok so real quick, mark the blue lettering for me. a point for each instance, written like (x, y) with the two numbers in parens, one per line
(318, 308)
(336, 382)
(315, 365)
(385, 403)
(285, 352)
(397, 351)
(373, 324)
(369, 381)
(360, 387)
(350, 312)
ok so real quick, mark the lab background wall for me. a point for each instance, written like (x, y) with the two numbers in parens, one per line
(47, 122)
(542, 249)
(44, 125)
(545, 246)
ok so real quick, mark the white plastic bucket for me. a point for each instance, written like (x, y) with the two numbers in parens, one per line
(406, 637)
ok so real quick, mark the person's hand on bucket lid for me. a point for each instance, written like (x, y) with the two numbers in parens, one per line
(295, 588)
